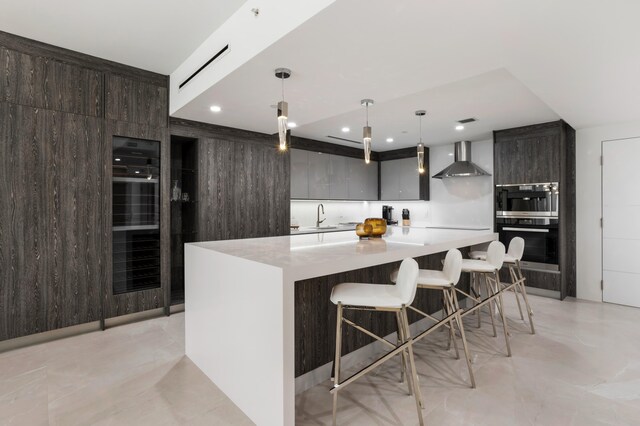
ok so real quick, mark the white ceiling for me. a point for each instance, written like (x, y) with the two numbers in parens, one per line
(504, 62)
(156, 35)
(496, 99)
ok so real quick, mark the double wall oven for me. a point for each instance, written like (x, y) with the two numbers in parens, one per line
(530, 211)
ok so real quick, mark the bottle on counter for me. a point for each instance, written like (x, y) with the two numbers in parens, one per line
(405, 218)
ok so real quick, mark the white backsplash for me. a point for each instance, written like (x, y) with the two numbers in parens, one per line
(454, 201)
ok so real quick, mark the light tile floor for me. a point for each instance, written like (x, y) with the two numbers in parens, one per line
(581, 368)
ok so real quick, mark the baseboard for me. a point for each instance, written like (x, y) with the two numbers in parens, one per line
(174, 309)
(75, 330)
(134, 317)
(48, 336)
(542, 292)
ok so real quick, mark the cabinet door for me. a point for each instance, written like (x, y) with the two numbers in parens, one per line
(399, 180)
(409, 182)
(527, 155)
(356, 179)
(389, 180)
(371, 180)
(318, 176)
(299, 173)
(337, 177)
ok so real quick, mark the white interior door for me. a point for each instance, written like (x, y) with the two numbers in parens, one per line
(621, 222)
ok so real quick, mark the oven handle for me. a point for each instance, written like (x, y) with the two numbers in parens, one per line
(506, 228)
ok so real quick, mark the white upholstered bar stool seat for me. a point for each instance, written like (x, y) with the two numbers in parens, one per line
(512, 258)
(376, 295)
(428, 277)
(482, 255)
(476, 265)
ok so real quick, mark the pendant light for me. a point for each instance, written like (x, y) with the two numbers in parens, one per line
(421, 113)
(366, 131)
(283, 110)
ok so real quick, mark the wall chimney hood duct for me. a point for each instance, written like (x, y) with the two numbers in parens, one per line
(462, 167)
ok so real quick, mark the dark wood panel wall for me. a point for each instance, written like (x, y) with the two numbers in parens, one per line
(544, 153)
(243, 182)
(59, 110)
(315, 315)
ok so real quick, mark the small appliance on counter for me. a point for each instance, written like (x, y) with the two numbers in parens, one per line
(387, 214)
(405, 218)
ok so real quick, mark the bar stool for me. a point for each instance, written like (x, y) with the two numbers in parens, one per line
(512, 259)
(379, 297)
(446, 281)
(488, 269)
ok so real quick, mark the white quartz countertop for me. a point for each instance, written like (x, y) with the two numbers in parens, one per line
(311, 255)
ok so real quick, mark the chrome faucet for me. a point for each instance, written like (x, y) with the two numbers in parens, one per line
(318, 221)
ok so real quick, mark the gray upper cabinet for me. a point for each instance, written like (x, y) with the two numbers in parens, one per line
(400, 180)
(318, 169)
(362, 183)
(321, 176)
(299, 175)
(337, 177)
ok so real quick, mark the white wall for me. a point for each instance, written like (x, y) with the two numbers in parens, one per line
(462, 201)
(589, 203)
(455, 201)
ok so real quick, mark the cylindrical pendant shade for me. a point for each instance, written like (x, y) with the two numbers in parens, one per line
(283, 112)
(421, 168)
(366, 140)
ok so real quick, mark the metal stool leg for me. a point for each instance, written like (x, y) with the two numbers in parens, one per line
(524, 296)
(404, 354)
(336, 362)
(515, 290)
(416, 383)
(464, 339)
(449, 310)
(504, 318)
(476, 288)
(492, 311)
(400, 339)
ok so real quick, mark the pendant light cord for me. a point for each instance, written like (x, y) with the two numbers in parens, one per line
(282, 78)
(367, 113)
(420, 121)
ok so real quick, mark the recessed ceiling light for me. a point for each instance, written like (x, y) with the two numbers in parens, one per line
(451, 154)
(291, 125)
(215, 108)
(345, 130)
(459, 127)
(389, 140)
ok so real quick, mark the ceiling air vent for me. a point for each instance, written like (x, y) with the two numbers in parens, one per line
(345, 140)
(467, 120)
(213, 58)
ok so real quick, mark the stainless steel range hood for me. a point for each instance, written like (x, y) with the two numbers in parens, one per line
(463, 166)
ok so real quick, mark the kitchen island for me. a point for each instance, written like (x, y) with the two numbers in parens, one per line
(243, 315)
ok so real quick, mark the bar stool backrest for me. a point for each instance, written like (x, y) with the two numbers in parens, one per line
(516, 248)
(495, 254)
(407, 281)
(453, 266)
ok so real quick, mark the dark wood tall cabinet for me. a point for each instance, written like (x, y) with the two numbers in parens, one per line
(59, 111)
(543, 153)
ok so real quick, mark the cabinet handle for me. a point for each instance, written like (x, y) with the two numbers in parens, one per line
(525, 229)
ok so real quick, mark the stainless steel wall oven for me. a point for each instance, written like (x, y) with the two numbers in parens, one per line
(530, 211)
